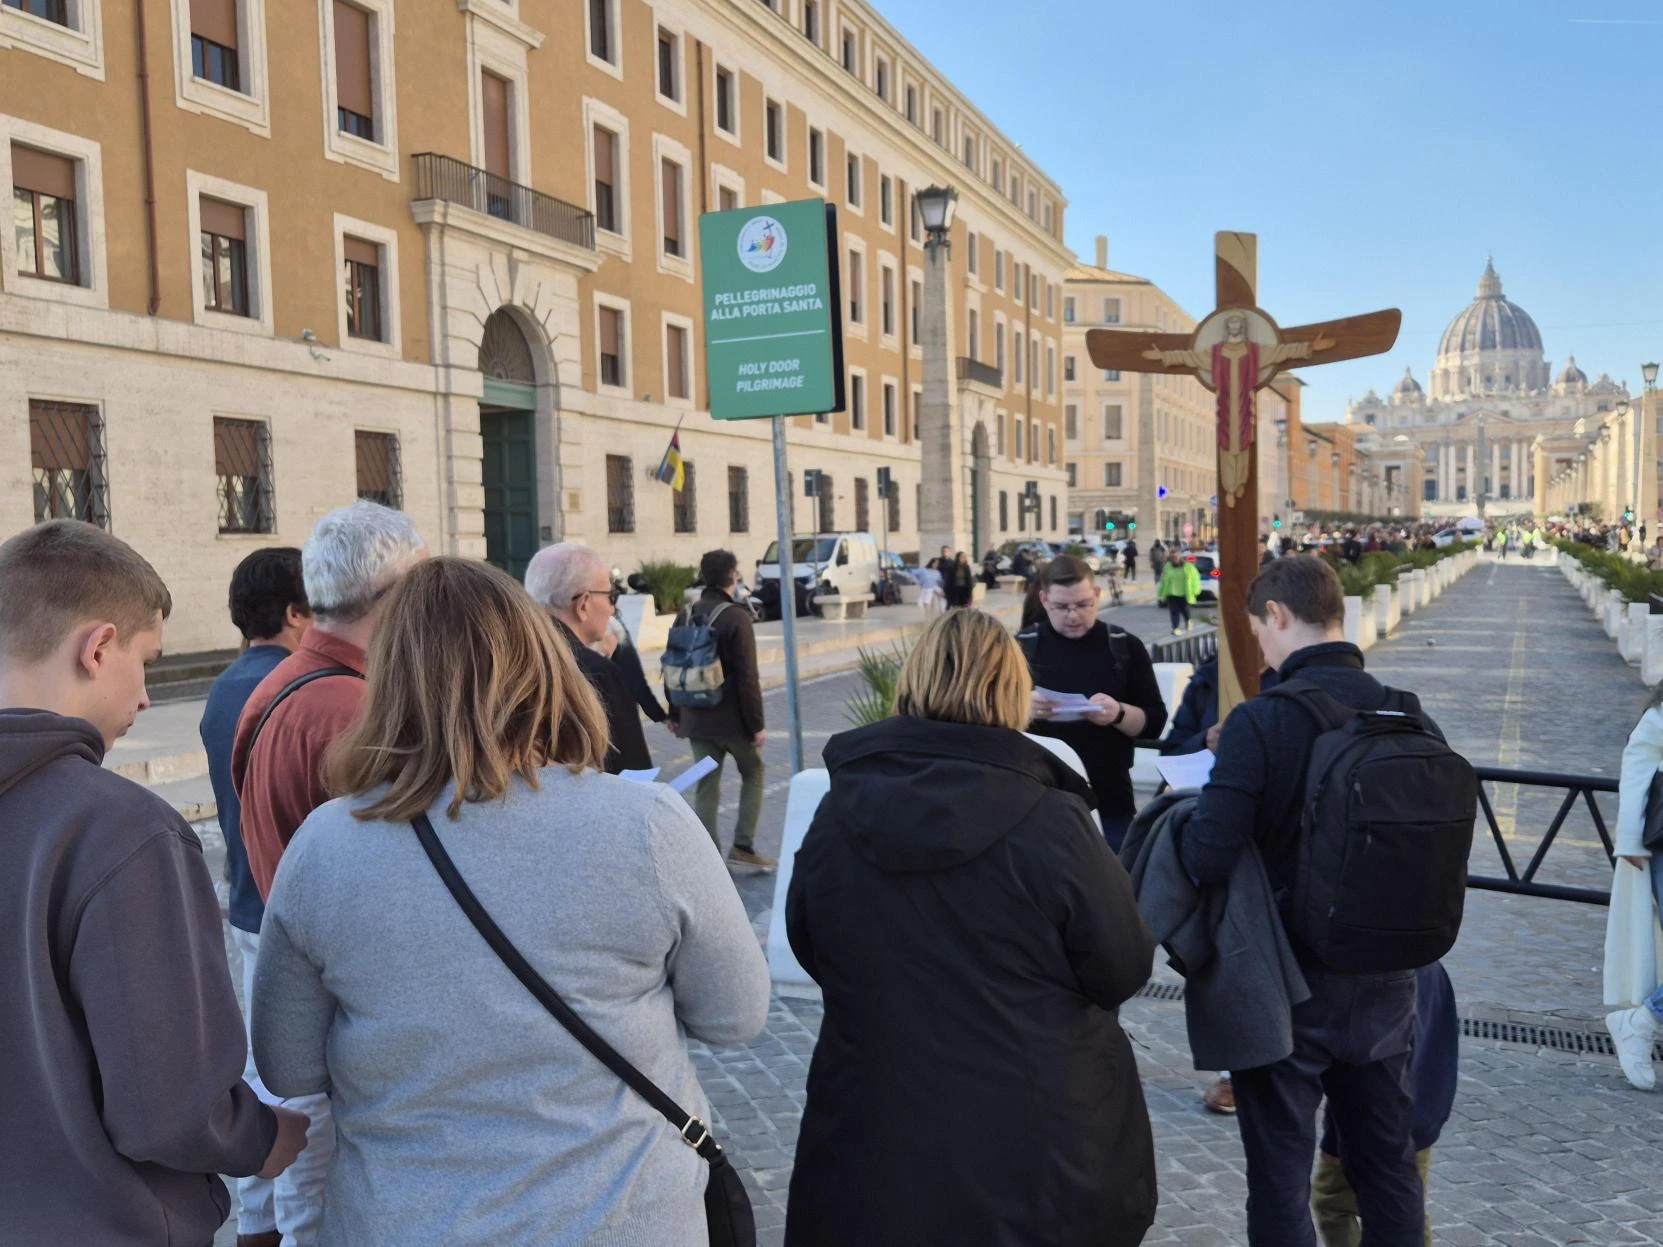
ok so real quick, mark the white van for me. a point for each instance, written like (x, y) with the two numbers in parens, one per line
(841, 563)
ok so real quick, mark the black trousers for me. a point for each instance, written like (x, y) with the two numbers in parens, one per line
(1352, 1042)
(1177, 608)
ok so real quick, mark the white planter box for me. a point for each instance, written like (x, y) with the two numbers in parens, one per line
(1422, 594)
(1651, 663)
(1631, 644)
(647, 627)
(1354, 620)
(1405, 596)
(1386, 616)
(1613, 612)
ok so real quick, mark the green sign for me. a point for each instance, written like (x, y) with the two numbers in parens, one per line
(772, 323)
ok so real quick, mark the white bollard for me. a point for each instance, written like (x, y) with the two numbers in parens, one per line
(1421, 592)
(1405, 596)
(1354, 620)
(1385, 609)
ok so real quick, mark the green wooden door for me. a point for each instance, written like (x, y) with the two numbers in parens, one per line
(510, 474)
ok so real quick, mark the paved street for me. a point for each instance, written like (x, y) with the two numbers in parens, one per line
(1546, 1146)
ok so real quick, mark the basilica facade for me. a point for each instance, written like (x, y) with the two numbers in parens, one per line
(1467, 441)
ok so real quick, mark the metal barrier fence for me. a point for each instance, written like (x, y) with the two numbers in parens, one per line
(1194, 648)
(1523, 883)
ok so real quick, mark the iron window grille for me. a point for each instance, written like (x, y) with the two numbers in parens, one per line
(739, 501)
(66, 451)
(863, 505)
(894, 504)
(380, 468)
(242, 464)
(685, 503)
(620, 495)
(828, 504)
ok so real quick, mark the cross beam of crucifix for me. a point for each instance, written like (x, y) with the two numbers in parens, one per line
(1235, 352)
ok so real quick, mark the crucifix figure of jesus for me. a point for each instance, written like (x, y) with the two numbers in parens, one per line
(1235, 352)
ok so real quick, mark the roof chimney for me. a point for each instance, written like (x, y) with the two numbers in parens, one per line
(1102, 251)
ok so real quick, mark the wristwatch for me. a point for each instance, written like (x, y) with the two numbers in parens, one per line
(1119, 716)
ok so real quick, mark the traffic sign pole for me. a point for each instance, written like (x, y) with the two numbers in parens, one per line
(788, 593)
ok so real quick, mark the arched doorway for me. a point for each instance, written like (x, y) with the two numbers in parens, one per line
(507, 427)
(981, 480)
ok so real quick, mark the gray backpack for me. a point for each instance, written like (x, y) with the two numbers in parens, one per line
(692, 665)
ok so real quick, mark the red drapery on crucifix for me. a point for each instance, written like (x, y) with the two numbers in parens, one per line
(1235, 379)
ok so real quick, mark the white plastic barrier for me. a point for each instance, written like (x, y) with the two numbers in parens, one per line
(1173, 678)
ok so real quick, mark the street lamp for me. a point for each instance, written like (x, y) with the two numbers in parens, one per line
(941, 521)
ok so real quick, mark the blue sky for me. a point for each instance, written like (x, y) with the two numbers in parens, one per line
(1381, 149)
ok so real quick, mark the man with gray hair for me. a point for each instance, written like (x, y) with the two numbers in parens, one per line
(354, 556)
(573, 584)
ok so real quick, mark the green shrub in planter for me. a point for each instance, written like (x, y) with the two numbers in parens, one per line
(880, 673)
(668, 583)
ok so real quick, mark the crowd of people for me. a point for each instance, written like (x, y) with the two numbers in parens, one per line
(977, 896)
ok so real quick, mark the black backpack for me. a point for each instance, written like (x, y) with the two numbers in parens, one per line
(1028, 640)
(1385, 830)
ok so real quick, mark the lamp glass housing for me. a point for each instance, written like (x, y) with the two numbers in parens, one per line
(936, 208)
(1649, 371)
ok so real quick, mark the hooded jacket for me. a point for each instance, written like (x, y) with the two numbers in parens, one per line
(972, 933)
(123, 1046)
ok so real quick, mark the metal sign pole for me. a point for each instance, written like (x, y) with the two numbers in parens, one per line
(788, 593)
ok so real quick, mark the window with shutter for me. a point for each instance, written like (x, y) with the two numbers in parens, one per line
(606, 180)
(612, 338)
(214, 42)
(620, 494)
(670, 183)
(224, 257)
(66, 453)
(242, 464)
(739, 500)
(43, 209)
(494, 96)
(363, 288)
(354, 98)
(675, 351)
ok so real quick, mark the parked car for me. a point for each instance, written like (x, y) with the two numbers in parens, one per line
(1093, 556)
(825, 563)
(1447, 537)
(1206, 563)
(1039, 554)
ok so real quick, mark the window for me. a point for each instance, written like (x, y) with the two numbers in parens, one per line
(1050, 301)
(1071, 422)
(606, 180)
(853, 279)
(1051, 448)
(43, 208)
(727, 103)
(1033, 204)
(996, 174)
(937, 126)
(889, 409)
(1033, 362)
(1111, 311)
(852, 175)
(612, 351)
(66, 452)
(917, 300)
(603, 35)
(970, 250)
(886, 200)
(914, 401)
(1048, 230)
(1111, 475)
(1033, 442)
(685, 504)
(857, 401)
(1068, 311)
(773, 131)
(912, 104)
(1073, 476)
(354, 100)
(669, 65)
(969, 151)
(998, 269)
(380, 477)
(1019, 426)
(1111, 374)
(727, 199)
(880, 82)
(811, 32)
(892, 505)
(973, 334)
(850, 50)
(242, 463)
(1050, 370)
(675, 361)
(863, 504)
(1004, 512)
(1068, 371)
(816, 157)
(828, 504)
(739, 500)
(917, 225)
(54, 11)
(670, 175)
(213, 42)
(1019, 353)
(886, 300)
(620, 494)
(1053, 510)
(493, 101)
(363, 289)
(999, 348)
(225, 260)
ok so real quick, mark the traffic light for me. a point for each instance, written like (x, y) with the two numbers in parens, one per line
(1109, 526)
(1131, 526)
(1276, 522)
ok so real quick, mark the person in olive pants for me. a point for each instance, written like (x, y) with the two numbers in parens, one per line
(733, 728)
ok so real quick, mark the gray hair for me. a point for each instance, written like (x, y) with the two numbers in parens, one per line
(558, 573)
(353, 556)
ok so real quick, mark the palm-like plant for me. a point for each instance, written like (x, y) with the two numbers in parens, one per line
(880, 672)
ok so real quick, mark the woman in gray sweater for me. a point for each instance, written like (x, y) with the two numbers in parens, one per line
(465, 1114)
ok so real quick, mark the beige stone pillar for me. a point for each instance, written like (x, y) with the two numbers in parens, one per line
(1647, 501)
(942, 519)
(1495, 470)
(1541, 496)
(1466, 462)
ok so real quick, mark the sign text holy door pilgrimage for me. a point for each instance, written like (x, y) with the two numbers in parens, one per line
(1235, 352)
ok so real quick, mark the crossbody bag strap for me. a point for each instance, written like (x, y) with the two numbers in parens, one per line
(288, 690)
(693, 1132)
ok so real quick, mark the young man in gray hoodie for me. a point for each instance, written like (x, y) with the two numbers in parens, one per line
(124, 1048)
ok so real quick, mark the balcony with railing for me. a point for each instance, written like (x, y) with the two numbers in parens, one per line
(443, 178)
(978, 373)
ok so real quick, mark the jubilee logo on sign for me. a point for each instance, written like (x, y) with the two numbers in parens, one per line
(762, 244)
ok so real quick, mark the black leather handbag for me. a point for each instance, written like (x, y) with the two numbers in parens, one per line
(1653, 837)
(726, 1205)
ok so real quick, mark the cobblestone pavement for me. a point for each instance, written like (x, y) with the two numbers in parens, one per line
(1545, 1147)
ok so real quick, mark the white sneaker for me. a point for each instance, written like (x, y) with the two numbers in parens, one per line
(1632, 1031)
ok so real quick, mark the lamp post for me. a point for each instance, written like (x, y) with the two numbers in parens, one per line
(1283, 502)
(1645, 456)
(941, 513)
(1623, 411)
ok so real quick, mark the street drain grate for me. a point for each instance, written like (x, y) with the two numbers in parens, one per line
(1558, 1038)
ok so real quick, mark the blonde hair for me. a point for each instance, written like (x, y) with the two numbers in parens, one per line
(468, 680)
(966, 669)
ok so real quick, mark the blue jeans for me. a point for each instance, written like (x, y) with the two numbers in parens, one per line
(1352, 1041)
(1654, 1002)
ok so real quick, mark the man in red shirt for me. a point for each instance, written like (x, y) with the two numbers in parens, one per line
(354, 556)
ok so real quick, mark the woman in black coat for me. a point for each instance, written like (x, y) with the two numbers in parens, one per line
(959, 580)
(972, 933)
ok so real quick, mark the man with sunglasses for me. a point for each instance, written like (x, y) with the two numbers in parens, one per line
(1070, 650)
(572, 583)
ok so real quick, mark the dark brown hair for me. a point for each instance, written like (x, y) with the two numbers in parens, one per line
(1065, 569)
(468, 680)
(64, 573)
(1304, 584)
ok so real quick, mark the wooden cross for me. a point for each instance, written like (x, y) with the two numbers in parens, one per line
(1235, 352)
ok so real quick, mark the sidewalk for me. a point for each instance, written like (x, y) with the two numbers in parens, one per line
(163, 751)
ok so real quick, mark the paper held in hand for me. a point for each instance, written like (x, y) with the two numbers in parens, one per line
(682, 782)
(1065, 707)
(1186, 770)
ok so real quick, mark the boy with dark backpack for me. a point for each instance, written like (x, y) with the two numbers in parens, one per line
(1363, 817)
